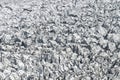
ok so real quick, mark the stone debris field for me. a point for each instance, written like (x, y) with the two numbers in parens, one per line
(59, 39)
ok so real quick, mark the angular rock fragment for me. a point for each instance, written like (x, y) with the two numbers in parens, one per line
(112, 46)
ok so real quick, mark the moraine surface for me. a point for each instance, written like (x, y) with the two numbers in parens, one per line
(59, 39)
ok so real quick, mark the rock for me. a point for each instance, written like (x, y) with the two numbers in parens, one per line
(88, 78)
(104, 54)
(20, 64)
(29, 42)
(77, 36)
(72, 78)
(2, 75)
(116, 37)
(118, 54)
(23, 44)
(68, 50)
(1, 66)
(74, 56)
(112, 46)
(21, 72)
(7, 38)
(7, 71)
(102, 31)
(14, 76)
(103, 42)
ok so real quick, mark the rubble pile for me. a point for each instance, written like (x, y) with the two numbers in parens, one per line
(60, 40)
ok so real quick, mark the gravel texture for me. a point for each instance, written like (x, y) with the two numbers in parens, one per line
(60, 40)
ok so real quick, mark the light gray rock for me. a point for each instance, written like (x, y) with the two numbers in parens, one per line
(112, 46)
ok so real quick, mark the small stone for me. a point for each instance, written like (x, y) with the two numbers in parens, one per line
(20, 64)
(68, 50)
(112, 46)
(21, 72)
(65, 68)
(88, 78)
(116, 37)
(14, 76)
(104, 54)
(1, 66)
(17, 40)
(2, 75)
(53, 42)
(77, 36)
(7, 71)
(102, 31)
(51, 79)
(74, 56)
(103, 42)
(7, 38)
(24, 44)
(118, 54)
(72, 78)
(28, 42)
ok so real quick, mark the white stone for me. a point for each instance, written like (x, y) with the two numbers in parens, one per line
(116, 37)
(65, 67)
(54, 42)
(1, 66)
(76, 36)
(6, 62)
(118, 54)
(21, 72)
(51, 79)
(74, 56)
(14, 76)
(112, 46)
(7, 71)
(68, 50)
(102, 30)
(104, 54)
(2, 75)
(88, 78)
(7, 37)
(72, 78)
(29, 41)
(69, 37)
(20, 64)
(103, 42)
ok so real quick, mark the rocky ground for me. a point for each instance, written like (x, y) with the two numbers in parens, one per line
(60, 40)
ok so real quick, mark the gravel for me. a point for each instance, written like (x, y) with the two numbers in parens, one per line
(60, 40)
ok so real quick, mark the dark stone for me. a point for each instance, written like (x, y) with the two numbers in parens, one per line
(106, 48)
(81, 61)
(0, 40)
(17, 40)
(58, 40)
(27, 10)
(52, 31)
(23, 44)
(25, 33)
(90, 57)
(40, 41)
(30, 78)
(109, 71)
(105, 26)
(72, 15)
(64, 22)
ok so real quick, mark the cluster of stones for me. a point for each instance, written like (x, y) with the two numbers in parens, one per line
(60, 40)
